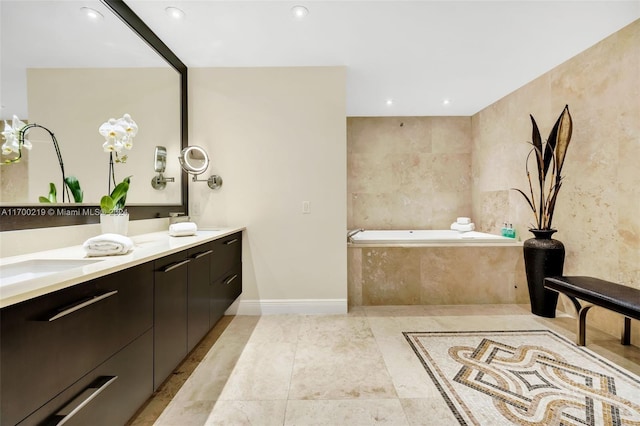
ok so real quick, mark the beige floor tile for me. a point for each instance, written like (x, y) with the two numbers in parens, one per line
(276, 328)
(409, 377)
(354, 369)
(345, 412)
(428, 412)
(241, 413)
(262, 373)
(187, 413)
(337, 358)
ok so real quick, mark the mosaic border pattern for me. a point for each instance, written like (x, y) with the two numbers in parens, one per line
(526, 377)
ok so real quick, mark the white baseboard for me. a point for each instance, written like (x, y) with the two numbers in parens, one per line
(287, 306)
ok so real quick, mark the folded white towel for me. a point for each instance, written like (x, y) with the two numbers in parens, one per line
(463, 228)
(108, 245)
(182, 229)
(463, 220)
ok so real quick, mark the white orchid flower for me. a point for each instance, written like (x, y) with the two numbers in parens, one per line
(129, 125)
(11, 144)
(112, 146)
(131, 129)
(12, 134)
(10, 137)
(113, 132)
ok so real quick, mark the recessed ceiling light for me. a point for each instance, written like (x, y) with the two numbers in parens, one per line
(174, 12)
(299, 12)
(92, 14)
(446, 101)
(389, 102)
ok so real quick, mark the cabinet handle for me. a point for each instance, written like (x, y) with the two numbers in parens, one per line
(82, 304)
(73, 407)
(231, 279)
(201, 254)
(176, 265)
(235, 240)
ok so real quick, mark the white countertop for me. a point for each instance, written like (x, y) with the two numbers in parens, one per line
(147, 247)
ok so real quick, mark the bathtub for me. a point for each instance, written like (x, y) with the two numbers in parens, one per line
(427, 237)
(434, 267)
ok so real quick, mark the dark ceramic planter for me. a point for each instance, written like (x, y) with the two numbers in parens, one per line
(543, 257)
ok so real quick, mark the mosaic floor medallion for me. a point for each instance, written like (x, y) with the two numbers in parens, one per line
(526, 378)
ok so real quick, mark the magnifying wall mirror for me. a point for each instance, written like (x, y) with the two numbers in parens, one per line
(195, 161)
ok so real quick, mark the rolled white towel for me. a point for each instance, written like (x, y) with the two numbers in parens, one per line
(463, 228)
(107, 245)
(463, 220)
(182, 229)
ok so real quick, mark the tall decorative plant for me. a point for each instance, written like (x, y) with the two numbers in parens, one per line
(118, 136)
(543, 255)
(549, 158)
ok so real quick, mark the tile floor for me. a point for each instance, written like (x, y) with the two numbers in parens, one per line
(353, 369)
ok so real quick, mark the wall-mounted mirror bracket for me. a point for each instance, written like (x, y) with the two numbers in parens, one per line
(159, 165)
(194, 160)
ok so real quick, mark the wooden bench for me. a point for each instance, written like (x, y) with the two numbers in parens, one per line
(596, 292)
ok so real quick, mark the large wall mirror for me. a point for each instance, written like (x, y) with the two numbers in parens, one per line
(70, 66)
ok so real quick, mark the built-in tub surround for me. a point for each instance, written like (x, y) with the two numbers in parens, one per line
(439, 272)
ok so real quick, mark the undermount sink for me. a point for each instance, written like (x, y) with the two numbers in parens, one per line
(30, 269)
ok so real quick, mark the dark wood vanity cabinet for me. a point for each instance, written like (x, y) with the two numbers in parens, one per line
(169, 314)
(226, 274)
(198, 294)
(51, 343)
(94, 352)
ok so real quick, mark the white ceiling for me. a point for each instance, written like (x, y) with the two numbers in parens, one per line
(416, 53)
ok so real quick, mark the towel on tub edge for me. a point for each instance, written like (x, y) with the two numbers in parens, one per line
(182, 229)
(108, 245)
(463, 228)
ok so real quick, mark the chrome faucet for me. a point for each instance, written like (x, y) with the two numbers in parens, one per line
(350, 234)
(175, 217)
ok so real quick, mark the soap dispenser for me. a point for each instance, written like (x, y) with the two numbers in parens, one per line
(504, 231)
(511, 232)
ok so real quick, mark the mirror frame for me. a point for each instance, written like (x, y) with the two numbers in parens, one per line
(13, 218)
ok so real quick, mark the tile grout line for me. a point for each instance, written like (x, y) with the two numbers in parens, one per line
(386, 367)
(293, 363)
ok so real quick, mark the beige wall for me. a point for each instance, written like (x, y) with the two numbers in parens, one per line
(277, 136)
(73, 103)
(408, 172)
(596, 213)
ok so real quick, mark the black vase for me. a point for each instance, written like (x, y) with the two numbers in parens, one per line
(543, 257)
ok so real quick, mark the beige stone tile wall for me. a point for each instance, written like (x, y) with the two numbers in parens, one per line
(597, 210)
(408, 172)
(436, 276)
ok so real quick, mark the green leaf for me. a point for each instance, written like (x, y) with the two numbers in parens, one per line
(119, 193)
(107, 204)
(52, 193)
(43, 199)
(74, 186)
(117, 199)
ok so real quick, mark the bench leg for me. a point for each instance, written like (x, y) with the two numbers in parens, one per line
(582, 325)
(626, 332)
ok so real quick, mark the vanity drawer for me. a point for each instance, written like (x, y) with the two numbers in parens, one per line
(227, 252)
(109, 395)
(224, 291)
(49, 342)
